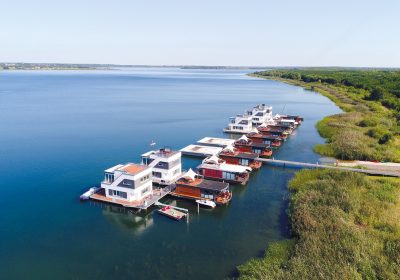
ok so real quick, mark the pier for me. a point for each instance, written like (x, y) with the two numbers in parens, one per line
(296, 164)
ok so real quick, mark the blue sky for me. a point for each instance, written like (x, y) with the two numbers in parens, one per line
(203, 32)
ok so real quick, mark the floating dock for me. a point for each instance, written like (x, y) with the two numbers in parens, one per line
(200, 150)
(216, 142)
(139, 205)
(173, 212)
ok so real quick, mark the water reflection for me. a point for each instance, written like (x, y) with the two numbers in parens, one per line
(127, 219)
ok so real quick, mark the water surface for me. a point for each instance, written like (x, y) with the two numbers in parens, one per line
(61, 129)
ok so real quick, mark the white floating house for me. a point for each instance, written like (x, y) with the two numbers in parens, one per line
(240, 124)
(166, 165)
(127, 182)
(260, 114)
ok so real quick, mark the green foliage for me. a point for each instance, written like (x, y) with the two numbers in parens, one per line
(275, 258)
(344, 226)
(369, 130)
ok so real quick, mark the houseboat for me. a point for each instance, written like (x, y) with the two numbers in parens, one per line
(241, 124)
(193, 186)
(274, 131)
(126, 184)
(297, 119)
(217, 169)
(232, 155)
(245, 144)
(260, 114)
(166, 165)
(257, 137)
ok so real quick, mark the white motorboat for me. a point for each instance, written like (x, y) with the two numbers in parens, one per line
(207, 203)
(87, 194)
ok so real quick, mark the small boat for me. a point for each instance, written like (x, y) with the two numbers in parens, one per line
(207, 203)
(171, 213)
(86, 195)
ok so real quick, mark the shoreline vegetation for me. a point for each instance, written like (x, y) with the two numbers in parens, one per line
(344, 225)
(369, 127)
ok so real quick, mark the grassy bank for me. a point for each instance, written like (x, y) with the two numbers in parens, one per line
(369, 127)
(344, 226)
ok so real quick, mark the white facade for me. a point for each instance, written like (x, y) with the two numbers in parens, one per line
(240, 124)
(166, 165)
(260, 114)
(130, 182)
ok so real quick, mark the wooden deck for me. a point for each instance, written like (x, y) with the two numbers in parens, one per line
(141, 204)
(296, 164)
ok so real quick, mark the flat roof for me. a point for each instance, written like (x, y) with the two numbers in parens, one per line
(112, 169)
(161, 153)
(132, 168)
(199, 150)
(241, 155)
(211, 185)
(252, 144)
(222, 142)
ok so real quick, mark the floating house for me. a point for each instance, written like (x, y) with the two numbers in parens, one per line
(245, 144)
(241, 124)
(260, 114)
(215, 168)
(232, 155)
(126, 183)
(193, 186)
(166, 165)
(257, 137)
(278, 131)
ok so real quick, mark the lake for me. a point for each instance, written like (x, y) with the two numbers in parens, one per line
(61, 129)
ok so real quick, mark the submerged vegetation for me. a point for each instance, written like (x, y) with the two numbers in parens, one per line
(344, 226)
(369, 127)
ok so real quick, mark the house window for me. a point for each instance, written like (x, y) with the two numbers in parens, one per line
(117, 193)
(145, 178)
(145, 190)
(244, 161)
(228, 175)
(157, 174)
(127, 183)
(257, 151)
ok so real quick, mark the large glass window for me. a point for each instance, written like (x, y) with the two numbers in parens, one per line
(118, 193)
(228, 175)
(244, 161)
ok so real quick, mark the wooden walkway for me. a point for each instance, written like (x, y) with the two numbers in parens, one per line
(296, 164)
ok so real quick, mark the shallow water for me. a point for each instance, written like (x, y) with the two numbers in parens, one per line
(61, 129)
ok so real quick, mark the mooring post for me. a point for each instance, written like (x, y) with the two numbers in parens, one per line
(198, 208)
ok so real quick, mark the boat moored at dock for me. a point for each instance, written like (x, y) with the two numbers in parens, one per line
(86, 195)
(194, 186)
(215, 168)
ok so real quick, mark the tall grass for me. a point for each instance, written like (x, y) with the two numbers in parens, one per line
(344, 226)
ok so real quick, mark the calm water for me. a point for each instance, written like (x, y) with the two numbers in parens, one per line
(60, 130)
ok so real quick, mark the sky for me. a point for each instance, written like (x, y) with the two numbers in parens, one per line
(360, 33)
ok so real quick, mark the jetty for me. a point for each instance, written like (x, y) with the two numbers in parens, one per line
(173, 212)
(297, 164)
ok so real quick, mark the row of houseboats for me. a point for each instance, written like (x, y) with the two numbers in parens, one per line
(132, 185)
